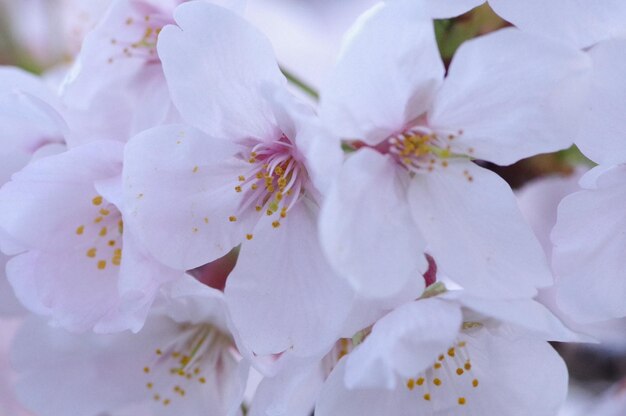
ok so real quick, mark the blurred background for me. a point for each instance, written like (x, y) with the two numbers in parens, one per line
(44, 36)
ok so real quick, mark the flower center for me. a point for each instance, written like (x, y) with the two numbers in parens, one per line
(419, 149)
(450, 375)
(198, 352)
(103, 235)
(274, 182)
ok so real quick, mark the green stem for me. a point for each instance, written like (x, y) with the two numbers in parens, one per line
(296, 81)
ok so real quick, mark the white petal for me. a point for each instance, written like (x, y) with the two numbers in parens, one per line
(527, 314)
(476, 232)
(366, 227)
(588, 253)
(602, 132)
(580, 23)
(445, 9)
(403, 343)
(386, 75)
(179, 193)
(512, 95)
(217, 65)
(282, 294)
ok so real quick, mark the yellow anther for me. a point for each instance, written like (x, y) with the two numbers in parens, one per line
(103, 232)
(420, 381)
(259, 175)
(459, 371)
(437, 366)
(269, 212)
(238, 188)
(104, 211)
(441, 357)
(252, 160)
(437, 382)
(461, 401)
(232, 218)
(202, 380)
(468, 366)
(80, 230)
(166, 402)
(254, 187)
(97, 200)
(451, 352)
(116, 261)
(149, 385)
(185, 360)
(111, 243)
(427, 397)
(91, 252)
(253, 154)
(120, 226)
(475, 383)
(276, 224)
(249, 236)
(146, 370)
(195, 169)
(258, 208)
(102, 264)
(410, 384)
(241, 178)
(157, 398)
(159, 352)
(98, 220)
(196, 371)
(206, 220)
(462, 344)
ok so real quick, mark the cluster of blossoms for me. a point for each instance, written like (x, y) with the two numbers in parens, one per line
(195, 235)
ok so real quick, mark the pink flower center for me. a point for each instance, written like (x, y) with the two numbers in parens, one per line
(192, 359)
(274, 182)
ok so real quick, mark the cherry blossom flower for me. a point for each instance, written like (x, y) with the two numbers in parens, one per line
(241, 175)
(63, 217)
(118, 75)
(451, 354)
(184, 361)
(415, 132)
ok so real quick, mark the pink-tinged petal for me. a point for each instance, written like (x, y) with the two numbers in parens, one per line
(366, 227)
(179, 194)
(403, 343)
(72, 291)
(580, 23)
(528, 315)
(510, 95)
(282, 294)
(539, 199)
(43, 205)
(292, 392)
(451, 8)
(29, 117)
(601, 137)
(386, 75)
(493, 385)
(216, 65)
(588, 251)
(476, 233)
(109, 372)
